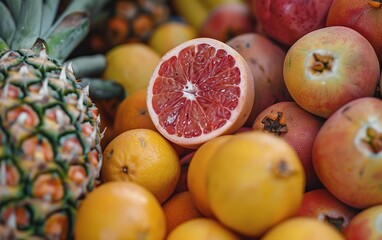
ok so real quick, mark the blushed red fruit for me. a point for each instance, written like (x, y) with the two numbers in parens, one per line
(361, 15)
(182, 182)
(288, 20)
(379, 93)
(227, 20)
(298, 127)
(243, 129)
(329, 67)
(366, 225)
(322, 205)
(265, 60)
(347, 153)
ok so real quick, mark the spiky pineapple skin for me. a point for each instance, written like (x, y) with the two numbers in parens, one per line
(50, 154)
(125, 21)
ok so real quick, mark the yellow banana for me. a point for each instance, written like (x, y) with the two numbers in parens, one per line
(193, 11)
(210, 4)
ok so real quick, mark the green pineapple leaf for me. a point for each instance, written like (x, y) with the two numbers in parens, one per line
(7, 24)
(28, 24)
(86, 66)
(91, 7)
(3, 45)
(67, 35)
(14, 7)
(49, 11)
(103, 89)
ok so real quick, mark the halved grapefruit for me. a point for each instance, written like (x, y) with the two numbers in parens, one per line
(200, 89)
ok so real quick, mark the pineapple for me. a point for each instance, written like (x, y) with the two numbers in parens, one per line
(50, 153)
(126, 21)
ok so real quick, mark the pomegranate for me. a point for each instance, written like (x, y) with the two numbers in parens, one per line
(322, 205)
(366, 225)
(347, 153)
(288, 20)
(298, 127)
(329, 67)
(265, 60)
(226, 21)
(363, 16)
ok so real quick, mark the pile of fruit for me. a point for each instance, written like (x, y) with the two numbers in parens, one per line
(191, 119)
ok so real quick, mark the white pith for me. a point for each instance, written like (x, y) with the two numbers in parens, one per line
(189, 91)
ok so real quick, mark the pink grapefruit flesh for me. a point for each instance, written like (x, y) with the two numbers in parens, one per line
(200, 89)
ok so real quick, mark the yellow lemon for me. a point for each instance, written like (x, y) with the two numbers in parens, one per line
(131, 65)
(120, 210)
(254, 180)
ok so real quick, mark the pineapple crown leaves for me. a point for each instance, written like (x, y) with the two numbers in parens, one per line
(22, 22)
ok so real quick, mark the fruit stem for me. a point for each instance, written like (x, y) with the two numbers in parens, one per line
(373, 139)
(275, 124)
(322, 63)
(282, 169)
(375, 3)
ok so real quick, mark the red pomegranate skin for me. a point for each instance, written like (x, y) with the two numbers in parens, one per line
(265, 59)
(287, 20)
(361, 16)
(366, 225)
(352, 70)
(226, 21)
(184, 163)
(299, 128)
(322, 205)
(347, 153)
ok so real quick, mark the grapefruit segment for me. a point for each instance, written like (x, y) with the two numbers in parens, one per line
(200, 89)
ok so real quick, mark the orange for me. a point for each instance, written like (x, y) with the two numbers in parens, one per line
(120, 211)
(170, 34)
(145, 157)
(254, 181)
(132, 113)
(196, 175)
(202, 229)
(303, 228)
(200, 89)
(179, 208)
(131, 65)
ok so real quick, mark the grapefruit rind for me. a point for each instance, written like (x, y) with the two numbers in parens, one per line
(239, 113)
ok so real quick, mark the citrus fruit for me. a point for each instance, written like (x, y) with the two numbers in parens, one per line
(132, 113)
(303, 228)
(196, 175)
(179, 208)
(202, 229)
(131, 65)
(200, 89)
(145, 157)
(254, 180)
(170, 34)
(120, 210)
